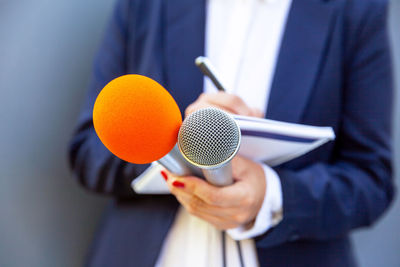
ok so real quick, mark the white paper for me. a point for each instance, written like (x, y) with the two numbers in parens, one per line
(151, 181)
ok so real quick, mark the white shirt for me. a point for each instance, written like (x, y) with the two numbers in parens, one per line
(243, 38)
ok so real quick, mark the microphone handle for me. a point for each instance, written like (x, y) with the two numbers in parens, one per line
(220, 176)
(176, 164)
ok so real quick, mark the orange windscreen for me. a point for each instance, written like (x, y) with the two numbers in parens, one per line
(136, 119)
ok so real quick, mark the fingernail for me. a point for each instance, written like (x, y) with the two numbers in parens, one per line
(178, 184)
(164, 175)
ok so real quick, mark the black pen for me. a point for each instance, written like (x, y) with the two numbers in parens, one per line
(208, 70)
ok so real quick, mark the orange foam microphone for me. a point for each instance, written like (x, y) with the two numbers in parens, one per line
(138, 121)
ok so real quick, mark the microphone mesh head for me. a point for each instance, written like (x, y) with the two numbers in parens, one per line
(208, 137)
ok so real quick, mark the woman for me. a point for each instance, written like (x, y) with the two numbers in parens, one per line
(320, 63)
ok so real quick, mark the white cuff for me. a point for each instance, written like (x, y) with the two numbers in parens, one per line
(270, 213)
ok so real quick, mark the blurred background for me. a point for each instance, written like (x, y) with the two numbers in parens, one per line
(46, 53)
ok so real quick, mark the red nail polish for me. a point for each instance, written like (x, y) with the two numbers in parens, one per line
(178, 184)
(164, 175)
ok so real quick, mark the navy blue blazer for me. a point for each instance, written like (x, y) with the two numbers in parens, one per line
(333, 70)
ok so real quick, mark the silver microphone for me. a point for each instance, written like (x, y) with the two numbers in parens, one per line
(178, 165)
(209, 138)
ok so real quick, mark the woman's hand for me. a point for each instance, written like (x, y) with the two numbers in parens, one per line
(224, 207)
(230, 206)
(228, 102)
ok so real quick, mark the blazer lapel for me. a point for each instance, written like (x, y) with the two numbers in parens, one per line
(185, 31)
(302, 48)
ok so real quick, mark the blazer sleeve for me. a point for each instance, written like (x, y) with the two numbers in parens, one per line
(325, 201)
(93, 165)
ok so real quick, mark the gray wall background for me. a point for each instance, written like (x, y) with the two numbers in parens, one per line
(46, 51)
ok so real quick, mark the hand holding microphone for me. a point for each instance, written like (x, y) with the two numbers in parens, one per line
(224, 207)
(209, 140)
(229, 206)
(138, 121)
